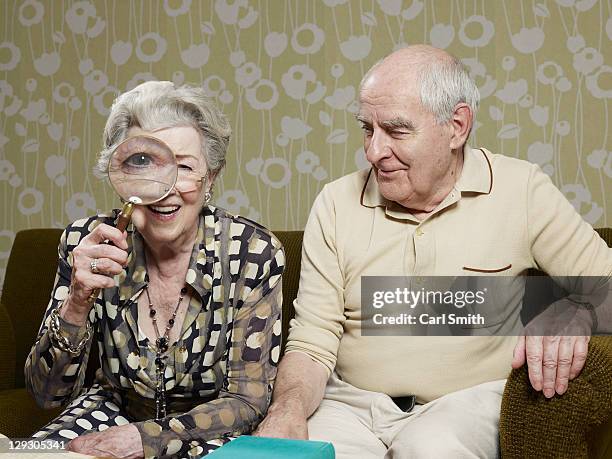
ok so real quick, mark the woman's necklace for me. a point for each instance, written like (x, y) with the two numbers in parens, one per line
(161, 346)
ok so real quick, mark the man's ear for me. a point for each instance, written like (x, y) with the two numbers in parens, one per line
(461, 125)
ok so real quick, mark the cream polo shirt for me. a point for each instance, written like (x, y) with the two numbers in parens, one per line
(503, 216)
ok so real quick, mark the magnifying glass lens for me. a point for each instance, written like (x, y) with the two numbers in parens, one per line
(142, 169)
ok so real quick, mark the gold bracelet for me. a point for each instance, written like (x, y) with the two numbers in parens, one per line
(60, 340)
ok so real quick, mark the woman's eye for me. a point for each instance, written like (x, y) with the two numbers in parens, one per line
(139, 160)
(185, 167)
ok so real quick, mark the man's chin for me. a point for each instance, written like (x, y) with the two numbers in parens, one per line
(391, 192)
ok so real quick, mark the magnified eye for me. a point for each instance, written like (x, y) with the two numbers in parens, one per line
(139, 160)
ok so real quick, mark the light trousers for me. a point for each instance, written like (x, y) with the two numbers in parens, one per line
(364, 424)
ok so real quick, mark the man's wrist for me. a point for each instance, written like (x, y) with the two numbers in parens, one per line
(585, 320)
(288, 401)
(593, 315)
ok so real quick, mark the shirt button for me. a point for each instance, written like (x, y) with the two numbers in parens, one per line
(419, 232)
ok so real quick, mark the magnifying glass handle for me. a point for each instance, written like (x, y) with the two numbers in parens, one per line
(123, 220)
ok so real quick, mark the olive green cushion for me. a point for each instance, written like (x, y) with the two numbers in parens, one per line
(20, 416)
(292, 241)
(533, 426)
(27, 285)
(577, 424)
(7, 351)
(600, 441)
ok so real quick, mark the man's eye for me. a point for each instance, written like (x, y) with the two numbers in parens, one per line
(139, 160)
(185, 167)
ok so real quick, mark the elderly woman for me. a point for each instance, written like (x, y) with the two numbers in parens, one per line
(187, 319)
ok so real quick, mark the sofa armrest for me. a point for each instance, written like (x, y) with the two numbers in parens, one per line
(20, 415)
(7, 350)
(564, 426)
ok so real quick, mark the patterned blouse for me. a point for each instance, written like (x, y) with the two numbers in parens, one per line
(225, 357)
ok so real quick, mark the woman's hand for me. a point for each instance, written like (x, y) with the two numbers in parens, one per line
(120, 441)
(110, 261)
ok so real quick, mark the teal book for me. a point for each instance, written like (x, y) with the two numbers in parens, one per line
(247, 447)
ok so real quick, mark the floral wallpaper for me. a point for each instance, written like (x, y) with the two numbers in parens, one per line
(286, 73)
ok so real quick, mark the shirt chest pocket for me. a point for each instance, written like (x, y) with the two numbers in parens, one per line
(499, 302)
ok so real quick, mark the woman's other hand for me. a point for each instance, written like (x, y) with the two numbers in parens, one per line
(110, 260)
(120, 441)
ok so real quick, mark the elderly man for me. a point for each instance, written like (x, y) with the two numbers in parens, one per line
(430, 205)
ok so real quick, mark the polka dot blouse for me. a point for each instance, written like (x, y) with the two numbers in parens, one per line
(220, 371)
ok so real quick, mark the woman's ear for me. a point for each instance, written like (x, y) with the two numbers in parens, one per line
(461, 125)
(210, 180)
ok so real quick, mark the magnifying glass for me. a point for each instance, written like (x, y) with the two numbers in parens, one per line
(142, 170)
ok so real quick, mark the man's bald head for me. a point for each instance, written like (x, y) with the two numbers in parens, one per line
(411, 59)
(440, 78)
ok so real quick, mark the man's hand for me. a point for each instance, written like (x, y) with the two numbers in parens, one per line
(121, 441)
(284, 420)
(300, 385)
(555, 346)
(552, 360)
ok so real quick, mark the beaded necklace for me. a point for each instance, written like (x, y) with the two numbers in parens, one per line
(161, 347)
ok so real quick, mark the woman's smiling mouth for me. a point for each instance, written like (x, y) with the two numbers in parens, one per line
(163, 212)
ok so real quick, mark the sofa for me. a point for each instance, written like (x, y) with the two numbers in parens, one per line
(577, 424)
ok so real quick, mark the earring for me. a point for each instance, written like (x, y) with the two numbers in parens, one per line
(207, 197)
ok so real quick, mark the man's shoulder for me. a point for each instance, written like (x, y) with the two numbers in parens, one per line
(508, 172)
(343, 195)
(504, 164)
(348, 186)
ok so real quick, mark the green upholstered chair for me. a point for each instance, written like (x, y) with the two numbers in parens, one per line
(578, 424)
(27, 287)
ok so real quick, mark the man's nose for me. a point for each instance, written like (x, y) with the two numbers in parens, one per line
(377, 147)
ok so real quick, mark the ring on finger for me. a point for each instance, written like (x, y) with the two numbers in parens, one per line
(94, 266)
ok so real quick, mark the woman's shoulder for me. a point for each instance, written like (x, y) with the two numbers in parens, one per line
(244, 228)
(254, 252)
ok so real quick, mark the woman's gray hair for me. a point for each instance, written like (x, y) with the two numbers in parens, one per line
(160, 104)
(444, 83)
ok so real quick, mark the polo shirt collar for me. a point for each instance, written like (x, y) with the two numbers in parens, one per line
(477, 173)
(476, 177)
